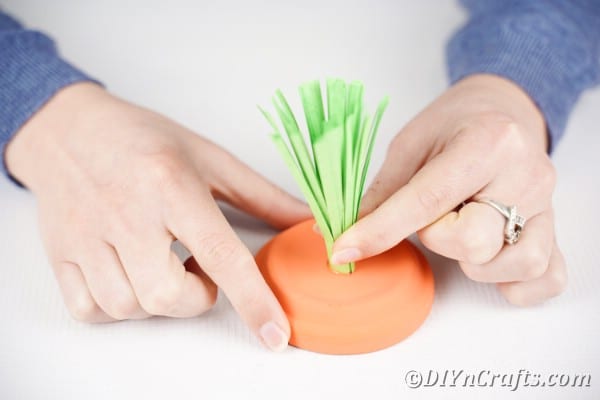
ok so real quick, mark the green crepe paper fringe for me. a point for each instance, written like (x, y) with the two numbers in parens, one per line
(331, 172)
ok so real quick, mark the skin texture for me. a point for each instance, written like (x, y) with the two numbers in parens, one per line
(482, 138)
(116, 184)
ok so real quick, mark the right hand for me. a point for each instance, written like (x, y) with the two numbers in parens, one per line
(483, 138)
(116, 185)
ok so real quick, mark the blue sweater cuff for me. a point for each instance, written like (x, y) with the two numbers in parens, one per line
(31, 73)
(550, 52)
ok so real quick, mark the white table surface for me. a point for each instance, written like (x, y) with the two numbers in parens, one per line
(207, 64)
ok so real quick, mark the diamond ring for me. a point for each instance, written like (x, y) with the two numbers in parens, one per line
(514, 222)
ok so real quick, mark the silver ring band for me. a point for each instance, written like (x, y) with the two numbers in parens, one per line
(514, 222)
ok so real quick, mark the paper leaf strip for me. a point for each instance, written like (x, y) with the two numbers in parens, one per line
(331, 170)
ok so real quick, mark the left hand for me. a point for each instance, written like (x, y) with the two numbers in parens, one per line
(483, 138)
(116, 184)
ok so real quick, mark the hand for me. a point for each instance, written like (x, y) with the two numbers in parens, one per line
(116, 185)
(483, 138)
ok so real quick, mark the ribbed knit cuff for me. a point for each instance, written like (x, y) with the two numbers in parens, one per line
(31, 72)
(536, 46)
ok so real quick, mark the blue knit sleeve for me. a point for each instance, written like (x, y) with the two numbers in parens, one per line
(551, 48)
(31, 72)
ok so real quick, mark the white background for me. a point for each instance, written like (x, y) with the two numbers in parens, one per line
(207, 64)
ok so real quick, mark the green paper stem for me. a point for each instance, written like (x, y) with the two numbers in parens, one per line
(332, 175)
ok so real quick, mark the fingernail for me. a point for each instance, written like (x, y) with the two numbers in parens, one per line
(273, 336)
(345, 256)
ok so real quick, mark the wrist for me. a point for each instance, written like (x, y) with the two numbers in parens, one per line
(39, 143)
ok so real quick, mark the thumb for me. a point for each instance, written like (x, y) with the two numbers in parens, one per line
(247, 190)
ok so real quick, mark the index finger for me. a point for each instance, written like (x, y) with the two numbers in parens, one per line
(451, 177)
(201, 226)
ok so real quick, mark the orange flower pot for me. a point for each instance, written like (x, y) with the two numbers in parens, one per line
(385, 300)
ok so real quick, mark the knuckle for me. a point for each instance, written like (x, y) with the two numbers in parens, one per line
(497, 128)
(513, 295)
(508, 136)
(162, 298)
(534, 264)
(373, 241)
(542, 180)
(473, 272)
(123, 307)
(547, 176)
(478, 248)
(520, 294)
(83, 309)
(432, 201)
(219, 251)
(121, 227)
(164, 167)
(557, 281)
